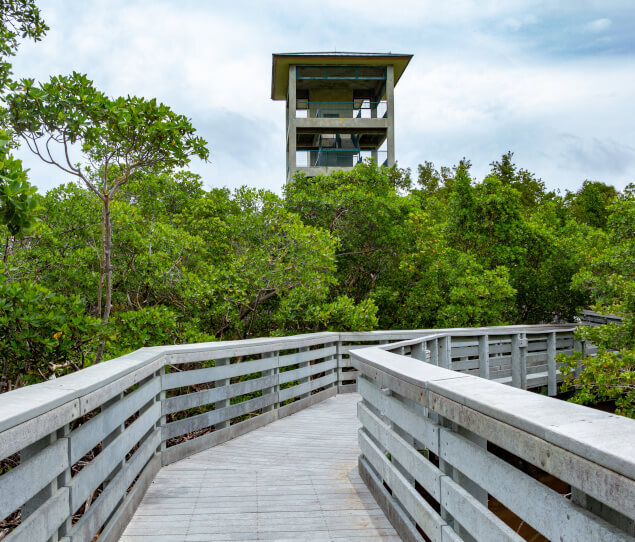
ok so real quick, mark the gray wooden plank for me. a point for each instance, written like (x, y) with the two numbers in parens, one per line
(291, 479)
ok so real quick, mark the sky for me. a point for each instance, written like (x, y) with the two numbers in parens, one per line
(551, 81)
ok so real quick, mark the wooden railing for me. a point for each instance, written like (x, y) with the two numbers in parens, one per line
(77, 453)
(452, 455)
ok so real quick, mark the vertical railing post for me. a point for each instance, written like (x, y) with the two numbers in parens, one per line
(64, 480)
(523, 361)
(303, 365)
(30, 506)
(445, 352)
(483, 356)
(434, 352)
(418, 352)
(276, 387)
(223, 403)
(552, 384)
(515, 347)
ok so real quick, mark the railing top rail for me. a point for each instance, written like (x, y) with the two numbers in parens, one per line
(22, 404)
(411, 342)
(404, 334)
(603, 438)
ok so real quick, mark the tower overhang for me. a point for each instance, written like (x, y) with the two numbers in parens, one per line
(282, 61)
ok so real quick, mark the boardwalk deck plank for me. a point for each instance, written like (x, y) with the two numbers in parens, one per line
(294, 479)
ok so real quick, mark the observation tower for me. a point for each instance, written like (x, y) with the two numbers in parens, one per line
(340, 108)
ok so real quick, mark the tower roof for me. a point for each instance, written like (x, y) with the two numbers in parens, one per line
(282, 61)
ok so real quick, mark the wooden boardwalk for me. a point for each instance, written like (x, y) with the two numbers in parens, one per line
(294, 479)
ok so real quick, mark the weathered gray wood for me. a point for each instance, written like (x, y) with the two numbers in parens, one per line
(294, 479)
(92, 521)
(410, 459)
(596, 480)
(474, 516)
(23, 482)
(544, 509)
(409, 498)
(199, 421)
(422, 429)
(445, 351)
(301, 404)
(209, 440)
(43, 523)
(403, 524)
(552, 388)
(86, 437)
(307, 355)
(309, 370)
(211, 374)
(220, 396)
(295, 391)
(19, 437)
(86, 481)
(117, 523)
(516, 361)
(483, 356)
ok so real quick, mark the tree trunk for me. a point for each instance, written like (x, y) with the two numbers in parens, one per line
(106, 270)
(5, 256)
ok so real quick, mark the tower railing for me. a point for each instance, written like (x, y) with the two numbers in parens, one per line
(334, 157)
(355, 109)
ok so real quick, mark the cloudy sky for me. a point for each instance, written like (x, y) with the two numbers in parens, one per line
(554, 82)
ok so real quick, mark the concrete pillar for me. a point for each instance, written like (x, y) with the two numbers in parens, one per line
(291, 122)
(390, 103)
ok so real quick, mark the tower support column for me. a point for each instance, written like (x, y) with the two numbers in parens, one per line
(390, 105)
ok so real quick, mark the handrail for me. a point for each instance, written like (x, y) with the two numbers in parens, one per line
(436, 435)
(89, 443)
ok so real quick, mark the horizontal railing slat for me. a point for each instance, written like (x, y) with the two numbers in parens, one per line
(545, 510)
(24, 481)
(303, 372)
(200, 376)
(45, 521)
(84, 438)
(207, 419)
(207, 397)
(474, 516)
(100, 511)
(307, 355)
(90, 477)
(422, 512)
(410, 459)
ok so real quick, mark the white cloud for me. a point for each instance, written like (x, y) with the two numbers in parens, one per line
(475, 87)
(598, 25)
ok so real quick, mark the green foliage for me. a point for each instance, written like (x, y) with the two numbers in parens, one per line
(18, 200)
(19, 19)
(591, 203)
(150, 326)
(609, 278)
(41, 333)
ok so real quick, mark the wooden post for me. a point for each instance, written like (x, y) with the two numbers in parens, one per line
(523, 361)
(483, 356)
(552, 384)
(445, 352)
(516, 360)
(223, 403)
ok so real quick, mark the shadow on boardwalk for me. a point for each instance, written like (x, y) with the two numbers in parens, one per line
(294, 479)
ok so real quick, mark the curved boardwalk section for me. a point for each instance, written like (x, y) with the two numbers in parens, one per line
(294, 479)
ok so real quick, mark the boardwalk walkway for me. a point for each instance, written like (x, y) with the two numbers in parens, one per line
(294, 479)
